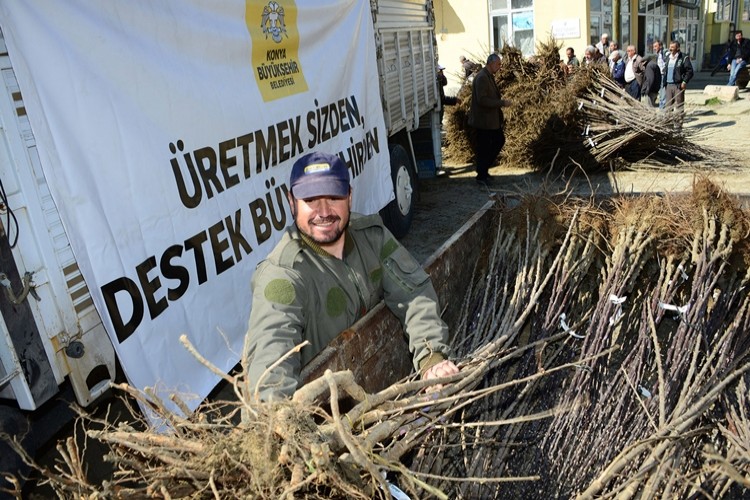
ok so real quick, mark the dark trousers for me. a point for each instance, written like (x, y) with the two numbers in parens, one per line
(633, 89)
(489, 144)
(675, 97)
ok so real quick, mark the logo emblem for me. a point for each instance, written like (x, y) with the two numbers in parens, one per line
(272, 22)
(275, 53)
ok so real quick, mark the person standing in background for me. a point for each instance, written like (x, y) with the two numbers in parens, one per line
(603, 45)
(739, 52)
(651, 81)
(661, 61)
(486, 117)
(591, 56)
(445, 100)
(633, 73)
(468, 66)
(617, 68)
(679, 73)
(572, 61)
(613, 47)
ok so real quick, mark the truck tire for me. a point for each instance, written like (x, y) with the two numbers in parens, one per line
(398, 214)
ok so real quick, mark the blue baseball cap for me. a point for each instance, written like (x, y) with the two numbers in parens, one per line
(319, 174)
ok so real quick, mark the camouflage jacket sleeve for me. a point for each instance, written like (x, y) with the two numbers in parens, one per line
(409, 293)
(275, 328)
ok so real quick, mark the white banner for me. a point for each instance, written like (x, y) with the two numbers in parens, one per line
(167, 131)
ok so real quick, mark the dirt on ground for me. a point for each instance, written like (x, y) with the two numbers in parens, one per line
(449, 200)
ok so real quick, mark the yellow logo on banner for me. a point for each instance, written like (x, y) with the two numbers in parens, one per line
(276, 65)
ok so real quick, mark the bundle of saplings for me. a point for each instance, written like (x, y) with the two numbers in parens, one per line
(603, 352)
(562, 119)
(646, 394)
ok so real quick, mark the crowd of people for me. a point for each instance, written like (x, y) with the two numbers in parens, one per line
(658, 79)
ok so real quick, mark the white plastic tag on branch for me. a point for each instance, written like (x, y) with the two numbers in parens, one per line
(682, 270)
(683, 274)
(618, 301)
(602, 92)
(567, 329)
(396, 492)
(644, 392)
(670, 307)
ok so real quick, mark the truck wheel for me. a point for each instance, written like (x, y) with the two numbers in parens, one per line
(397, 215)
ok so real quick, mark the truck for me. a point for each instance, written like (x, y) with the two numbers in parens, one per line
(89, 89)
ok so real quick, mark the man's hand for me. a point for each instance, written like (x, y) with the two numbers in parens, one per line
(445, 368)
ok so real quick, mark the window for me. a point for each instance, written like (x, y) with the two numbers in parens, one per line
(724, 10)
(595, 28)
(500, 32)
(685, 30)
(653, 7)
(746, 10)
(601, 21)
(514, 25)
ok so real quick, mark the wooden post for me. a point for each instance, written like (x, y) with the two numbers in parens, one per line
(616, 22)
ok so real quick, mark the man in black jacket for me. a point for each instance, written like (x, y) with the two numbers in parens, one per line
(679, 72)
(486, 116)
(739, 53)
(651, 81)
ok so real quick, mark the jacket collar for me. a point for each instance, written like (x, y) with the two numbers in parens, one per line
(348, 244)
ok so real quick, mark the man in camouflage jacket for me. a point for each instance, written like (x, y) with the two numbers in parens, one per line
(329, 270)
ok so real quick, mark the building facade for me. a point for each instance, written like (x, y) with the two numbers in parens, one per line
(473, 28)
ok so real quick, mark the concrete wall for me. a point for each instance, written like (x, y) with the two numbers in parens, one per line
(547, 12)
(462, 27)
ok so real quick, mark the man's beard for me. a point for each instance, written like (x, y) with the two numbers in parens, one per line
(331, 238)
